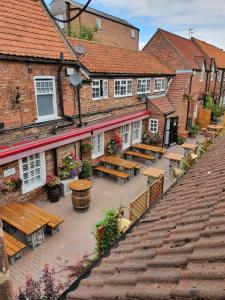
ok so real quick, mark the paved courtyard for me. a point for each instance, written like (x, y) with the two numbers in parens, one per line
(75, 238)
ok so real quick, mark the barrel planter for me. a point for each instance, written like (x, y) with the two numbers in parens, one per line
(204, 116)
(81, 196)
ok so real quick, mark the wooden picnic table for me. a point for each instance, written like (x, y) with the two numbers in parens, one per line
(174, 161)
(188, 148)
(154, 149)
(152, 174)
(215, 128)
(119, 162)
(32, 227)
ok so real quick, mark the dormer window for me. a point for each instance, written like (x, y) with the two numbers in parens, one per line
(202, 73)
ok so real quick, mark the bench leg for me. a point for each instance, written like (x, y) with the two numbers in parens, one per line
(129, 157)
(120, 180)
(148, 162)
(100, 174)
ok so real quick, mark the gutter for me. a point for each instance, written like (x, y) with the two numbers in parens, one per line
(221, 85)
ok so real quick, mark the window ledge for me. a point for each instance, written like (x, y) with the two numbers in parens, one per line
(47, 119)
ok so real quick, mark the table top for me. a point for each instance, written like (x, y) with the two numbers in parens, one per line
(153, 172)
(189, 146)
(174, 156)
(117, 161)
(80, 185)
(216, 127)
(16, 216)
(149, 148)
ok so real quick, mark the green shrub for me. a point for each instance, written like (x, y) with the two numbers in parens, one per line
(86, 169)
(109, 222)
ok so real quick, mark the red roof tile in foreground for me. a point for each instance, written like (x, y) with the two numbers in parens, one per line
(212, 51)
(179, 86)
(163, 104)
(177, 251)
(27, 30)
(185, 47)
(100, 58)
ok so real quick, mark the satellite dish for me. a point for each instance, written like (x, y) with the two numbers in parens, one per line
(79, 49)
(75, 79)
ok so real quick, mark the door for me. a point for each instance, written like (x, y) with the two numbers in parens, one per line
(173, 131)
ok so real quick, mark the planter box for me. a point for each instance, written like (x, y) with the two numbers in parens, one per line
(204, 116)
(64, 186)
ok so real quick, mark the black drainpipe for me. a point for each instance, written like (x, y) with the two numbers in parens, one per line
(59, 80)
(188, 108)
(79, 105)
(55, 158)
(164, 131)
(221, 85)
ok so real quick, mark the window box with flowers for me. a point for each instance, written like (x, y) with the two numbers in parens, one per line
(13, 184)
(53, 184)
(115, 145)
(70, 168)
(151, 138)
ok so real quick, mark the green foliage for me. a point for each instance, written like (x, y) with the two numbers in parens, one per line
(86, 169)
(193, 131)
(180, 140)
(86, 33)
(109, 222)
(86, 147)
(208, 102)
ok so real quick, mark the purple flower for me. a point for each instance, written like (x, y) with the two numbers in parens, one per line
(73, 173)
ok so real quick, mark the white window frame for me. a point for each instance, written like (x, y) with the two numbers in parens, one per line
(55, 114)
(144, 81)
(99, 23)
(138, 139)
(100, 152)
(132, 33)
(157, 125)
(161, 79)
(104, 96)
(31, 187)
(126, 85)
(202, 74)
(212, 73)
(126, 145)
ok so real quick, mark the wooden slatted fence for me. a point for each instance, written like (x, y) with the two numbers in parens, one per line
(138, 206)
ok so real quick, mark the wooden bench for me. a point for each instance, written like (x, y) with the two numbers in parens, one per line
(146, 157)
(137, 169)
(13, 248)
(53, 221)
(121, 176)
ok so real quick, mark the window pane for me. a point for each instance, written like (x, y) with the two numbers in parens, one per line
(45, 105)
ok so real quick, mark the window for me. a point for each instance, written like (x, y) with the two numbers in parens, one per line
(143, 85)
(45, 98)
(97, 145)
(61, 24)
(159, 84)
(153, 125)
(122, 87)
(99, 89)
(202, 73)
(32, 172)
(125, 133)
(212, 73)
(132, 33)
(99, 23)
(136, 132)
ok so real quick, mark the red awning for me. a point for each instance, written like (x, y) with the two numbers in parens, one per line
(20, 150)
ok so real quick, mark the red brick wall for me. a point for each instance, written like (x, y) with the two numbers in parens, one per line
(111, 33)
(156, 114)
(160, 47)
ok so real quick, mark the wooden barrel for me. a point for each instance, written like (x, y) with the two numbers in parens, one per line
(81, 197)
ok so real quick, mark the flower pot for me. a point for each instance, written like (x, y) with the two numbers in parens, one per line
(53, 195)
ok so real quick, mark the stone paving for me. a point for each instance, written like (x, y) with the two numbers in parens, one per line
(75, 238)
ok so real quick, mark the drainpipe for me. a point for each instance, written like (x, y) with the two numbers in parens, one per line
(55, 159)
(59, 80)
(79, 106)
(164, 131)
(188, 108)
(221, 85)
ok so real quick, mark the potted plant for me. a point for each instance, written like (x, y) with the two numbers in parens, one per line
(180, 140)
(193, 131)
(52, 184)
(86, 147)
(115, 145)
(86, 170)
(150, 138)
(14, 183)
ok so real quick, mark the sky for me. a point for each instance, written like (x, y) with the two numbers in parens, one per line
(206, 18)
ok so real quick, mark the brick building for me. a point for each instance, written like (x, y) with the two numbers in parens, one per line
(193, 69)
(219, 55)
(109, 30)
(40, 116)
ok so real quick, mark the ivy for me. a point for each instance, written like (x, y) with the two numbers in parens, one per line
(109, 222)
(86, 33)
